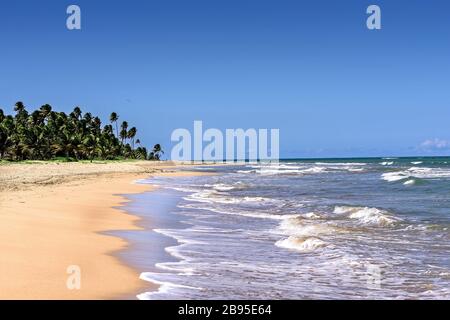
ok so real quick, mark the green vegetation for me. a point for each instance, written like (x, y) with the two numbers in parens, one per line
(49, 135)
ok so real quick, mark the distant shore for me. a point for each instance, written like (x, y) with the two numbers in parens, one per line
(53, 216)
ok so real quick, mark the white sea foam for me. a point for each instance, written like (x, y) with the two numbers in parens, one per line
(211, 196)
(367, 216)
(417, 162)
(246, 171)
(387, 163)
(164, 286)
(297, 227)
(356, 169)
(394, 176)
(301, 244)
(225, 187)
(313, 170)
(176, 267)
(175, 233)
(279, 171)
(332, 164)
(243, 213)
(416, 172)
(278, 166)
(409, 182)
(311, 215)
(317, 168)
(182, 189)
(201, 196)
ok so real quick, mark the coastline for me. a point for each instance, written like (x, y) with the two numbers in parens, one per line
(147, 247)
(54, 215)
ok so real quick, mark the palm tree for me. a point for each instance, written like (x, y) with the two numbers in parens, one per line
(45, 110)
(96, 124)
(131, 135)
(77, 113)
(108, 129)
(4, 141)
(140, 153)
(156, 152)
(123, 136)
(87, 117)
(21, 112)
(89, 146)
(44, 134)
(123, 131)
(113, 118)
(127, 152)
(124, 125)
(19, 107)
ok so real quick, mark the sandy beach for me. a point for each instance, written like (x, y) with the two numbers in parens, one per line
(52, 217)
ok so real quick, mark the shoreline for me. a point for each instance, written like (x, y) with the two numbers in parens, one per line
(55, 215)
(145, 246)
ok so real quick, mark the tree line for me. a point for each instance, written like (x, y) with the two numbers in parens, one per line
(45, 134)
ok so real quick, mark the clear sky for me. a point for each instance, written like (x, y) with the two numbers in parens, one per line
(310, 68)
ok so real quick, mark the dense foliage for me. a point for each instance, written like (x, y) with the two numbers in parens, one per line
(45, 134)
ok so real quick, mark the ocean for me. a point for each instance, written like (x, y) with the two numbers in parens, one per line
(373, 228)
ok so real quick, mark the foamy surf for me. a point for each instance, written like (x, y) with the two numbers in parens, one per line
(317, 168)
(416, 172)
(368, 216)
(234, 231)
(212, 196)
(409, 182)
(226, 187)
(243, 213)
(296, 226)
(311, 215)
(301, 244)
(164, 288)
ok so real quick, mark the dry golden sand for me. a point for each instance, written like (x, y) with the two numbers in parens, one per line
(52, 216)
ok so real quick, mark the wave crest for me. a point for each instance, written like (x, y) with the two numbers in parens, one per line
(416, 172)
(301, 244)
(368, 216)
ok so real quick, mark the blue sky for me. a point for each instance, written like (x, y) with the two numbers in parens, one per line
(310, 68)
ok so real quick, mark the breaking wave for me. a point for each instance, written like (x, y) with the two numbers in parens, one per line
(416, 172)
(368, 216)
(307, 169)
(301, 244)
(212, 196)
